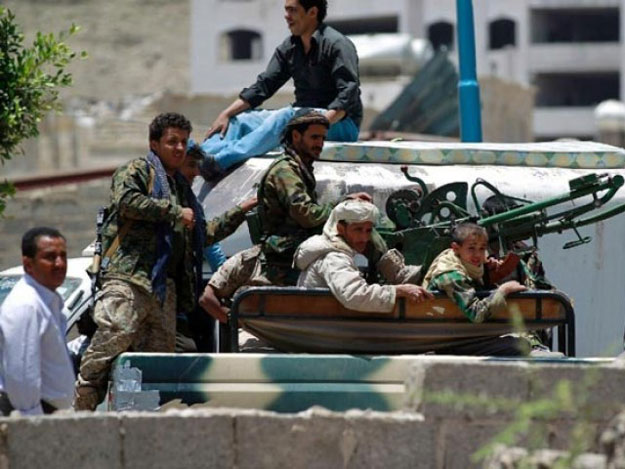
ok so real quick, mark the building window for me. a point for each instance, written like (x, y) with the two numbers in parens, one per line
(575, 25)
(501, 33)
(576, 89)
(241, 44)
(441, 35)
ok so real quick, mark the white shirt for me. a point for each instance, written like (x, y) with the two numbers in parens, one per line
(34, 358)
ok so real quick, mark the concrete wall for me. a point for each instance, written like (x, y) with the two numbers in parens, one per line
(426, 435)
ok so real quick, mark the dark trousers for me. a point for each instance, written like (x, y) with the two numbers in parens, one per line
(6, 407)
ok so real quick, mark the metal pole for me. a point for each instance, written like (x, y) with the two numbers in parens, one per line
(468, 87)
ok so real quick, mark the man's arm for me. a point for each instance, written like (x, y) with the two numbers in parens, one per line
(267, 83)
(130, 195)
(345, 75)
(211, 304)
(220, 125)
(227, 223)
(461, 291)
(21, 358)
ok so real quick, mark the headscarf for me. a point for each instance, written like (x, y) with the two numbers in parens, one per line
(448, 261)
(349, 211)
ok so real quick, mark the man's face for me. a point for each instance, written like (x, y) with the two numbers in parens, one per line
(190, 168)
(472, 250)
(171, 148)
(310, 143)
(49, 265)
(298, 19)
(356, 235)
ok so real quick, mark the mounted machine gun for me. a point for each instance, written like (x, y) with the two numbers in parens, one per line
(424, 219)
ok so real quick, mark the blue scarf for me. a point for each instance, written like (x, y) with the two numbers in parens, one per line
(164, 231)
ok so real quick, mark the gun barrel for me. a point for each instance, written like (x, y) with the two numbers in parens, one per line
(611, 185)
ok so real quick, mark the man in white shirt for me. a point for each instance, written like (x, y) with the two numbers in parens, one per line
(36, 376)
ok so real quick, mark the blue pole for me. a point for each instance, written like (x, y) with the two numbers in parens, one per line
(468, 87)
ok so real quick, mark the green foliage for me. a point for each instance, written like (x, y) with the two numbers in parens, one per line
(30, 78)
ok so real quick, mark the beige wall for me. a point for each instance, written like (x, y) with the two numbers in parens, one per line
(134, 46)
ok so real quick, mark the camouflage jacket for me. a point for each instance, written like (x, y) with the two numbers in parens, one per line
(288, 207)
(133, 260)
(461, 290)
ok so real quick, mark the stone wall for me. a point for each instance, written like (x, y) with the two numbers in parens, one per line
(71, 208)
(427, 434)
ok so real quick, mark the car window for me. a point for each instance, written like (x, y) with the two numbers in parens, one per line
(7, 282)
(6, 285)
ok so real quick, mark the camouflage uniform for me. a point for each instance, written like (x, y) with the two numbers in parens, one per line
(461, 289)
(235, 272)
(289, 214)
(126, 310)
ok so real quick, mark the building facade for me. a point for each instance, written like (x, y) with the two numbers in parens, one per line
(571, 51)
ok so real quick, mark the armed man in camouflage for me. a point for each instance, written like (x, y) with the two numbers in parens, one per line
(153, 237)
(287, 202)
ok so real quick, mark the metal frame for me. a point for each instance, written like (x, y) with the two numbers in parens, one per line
(230, 336)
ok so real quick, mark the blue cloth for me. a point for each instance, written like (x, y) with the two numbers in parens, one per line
(164, 231)
(256, 132)
(215, 256)
(35, 363)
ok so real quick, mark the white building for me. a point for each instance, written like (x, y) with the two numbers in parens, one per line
(570, 50)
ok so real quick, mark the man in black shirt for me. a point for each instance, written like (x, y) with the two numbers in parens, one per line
(324, 66)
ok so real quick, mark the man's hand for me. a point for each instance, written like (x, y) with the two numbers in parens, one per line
(219, 126)
(334, 115)
(360, 196)
(188, 218)
(223, 119)
(413, 293)
(499, 269)
(511, 287)
(249, 204)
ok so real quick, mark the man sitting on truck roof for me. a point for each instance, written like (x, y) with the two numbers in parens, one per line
(323, 64)
(328, 261)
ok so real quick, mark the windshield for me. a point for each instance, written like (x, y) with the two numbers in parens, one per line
(7, 282)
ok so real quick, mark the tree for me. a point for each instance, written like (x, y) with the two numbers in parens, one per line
(30, 79)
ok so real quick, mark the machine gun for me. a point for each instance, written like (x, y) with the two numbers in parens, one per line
(424, 219)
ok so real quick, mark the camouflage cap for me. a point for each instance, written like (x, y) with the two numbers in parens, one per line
(303, 117)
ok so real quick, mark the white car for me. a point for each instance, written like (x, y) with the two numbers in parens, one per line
(75, 290)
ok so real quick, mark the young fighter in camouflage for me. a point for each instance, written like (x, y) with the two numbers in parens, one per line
(457, 272)
(153, 239)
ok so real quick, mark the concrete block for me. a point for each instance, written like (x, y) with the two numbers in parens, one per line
(63, 441)
(597, 392)
(394, 440)
(460, 439)
(178, 439)
(471, 389)
(512, 458)
(266, 440)
(566, 434)
(321, 439)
